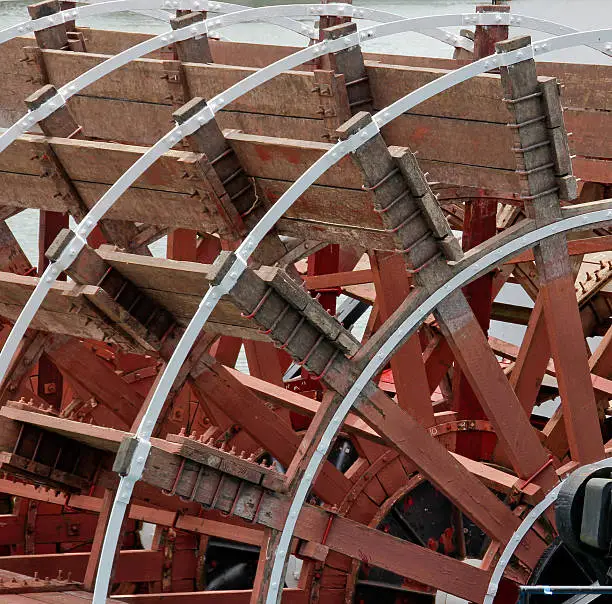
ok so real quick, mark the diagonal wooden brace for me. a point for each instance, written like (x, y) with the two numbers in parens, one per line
(237, 198)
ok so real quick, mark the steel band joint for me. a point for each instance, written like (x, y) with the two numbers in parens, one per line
(351, 144)
(131, 457)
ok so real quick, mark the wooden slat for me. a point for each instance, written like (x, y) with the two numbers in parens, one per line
(472, 111)
(79, 311)
(205, 80)
(65, 310)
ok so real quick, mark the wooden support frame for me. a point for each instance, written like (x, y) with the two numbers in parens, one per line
(546, 178)
(185, 191)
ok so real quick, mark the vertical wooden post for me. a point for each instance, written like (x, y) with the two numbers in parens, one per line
(93, 561)
(479, 224)
(392, 285)
(262, 575)
(182, 244)
(325, 22)
(54, 37)
(193, 50)
(324, 262)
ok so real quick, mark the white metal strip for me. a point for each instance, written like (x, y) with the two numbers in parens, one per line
(145, 6)
(523, 529)
(211, 298)
(265, 225)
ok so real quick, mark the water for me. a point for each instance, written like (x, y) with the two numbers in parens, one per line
(580, 14)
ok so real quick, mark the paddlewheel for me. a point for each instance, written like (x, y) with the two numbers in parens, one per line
(338, 336)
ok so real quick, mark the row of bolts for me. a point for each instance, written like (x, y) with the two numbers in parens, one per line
(223, 447)
(14, 582)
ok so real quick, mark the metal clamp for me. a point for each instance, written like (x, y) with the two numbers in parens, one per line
(416, 271)
(519, 125)
(505, 59)
(258, 305)
(382, 181)
(532, 147)
(408, 220)
(538, 195)
(522, 99)
(294, 331)
(393, 203)
(310, 352)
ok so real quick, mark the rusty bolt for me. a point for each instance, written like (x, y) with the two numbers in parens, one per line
(182, 432)
(193, 435)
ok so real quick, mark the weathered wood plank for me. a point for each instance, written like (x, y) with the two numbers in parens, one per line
(81, 311)
(65, 310)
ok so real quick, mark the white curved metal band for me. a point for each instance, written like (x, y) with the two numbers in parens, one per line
(144, 6)
(214, 294)
(281, 19)
(277, 18)
(523, 529)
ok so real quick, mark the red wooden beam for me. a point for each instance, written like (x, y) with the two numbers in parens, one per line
(392, 287)
(344, 279)
(479, 224)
